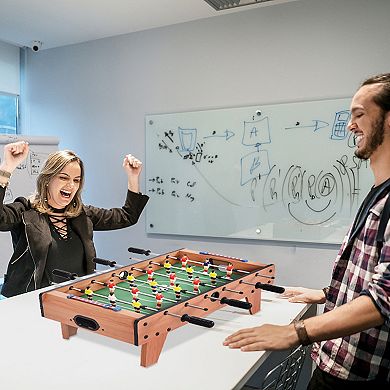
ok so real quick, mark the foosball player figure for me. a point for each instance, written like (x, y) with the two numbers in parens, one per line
(88, 292)
(190, 272)
(159, 299)
(150, 273)
(111, 286)
(112, 299)
(196, 283)
(229, 271)
(206, 266)
(184, 261)
(134, 292)
(213, 277)
(131, 279)
(177, 289)
(153, 284)
(136, 305)
(167, 266)
(172, 279)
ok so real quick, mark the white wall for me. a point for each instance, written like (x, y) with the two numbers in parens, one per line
(94, 97)
(9, 68)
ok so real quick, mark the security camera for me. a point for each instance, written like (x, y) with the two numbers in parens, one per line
(36, 45)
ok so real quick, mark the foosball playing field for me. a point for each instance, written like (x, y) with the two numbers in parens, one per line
(142, 302)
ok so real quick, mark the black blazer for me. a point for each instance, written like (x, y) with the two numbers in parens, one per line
(31, 236)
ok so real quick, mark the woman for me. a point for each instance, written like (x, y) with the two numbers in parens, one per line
(54, 229)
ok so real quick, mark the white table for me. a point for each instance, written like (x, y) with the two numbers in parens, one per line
(35, 356)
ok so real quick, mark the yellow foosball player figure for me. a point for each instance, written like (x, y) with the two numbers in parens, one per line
(177, 289)
(167, 266)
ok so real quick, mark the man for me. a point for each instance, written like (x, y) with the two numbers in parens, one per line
(353, 338)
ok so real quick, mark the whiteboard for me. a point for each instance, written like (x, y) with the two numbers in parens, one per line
(272, 172)
(23, 180)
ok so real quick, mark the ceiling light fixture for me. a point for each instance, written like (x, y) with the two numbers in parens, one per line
(221, 5)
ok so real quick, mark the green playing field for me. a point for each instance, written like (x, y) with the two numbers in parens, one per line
(147, 296)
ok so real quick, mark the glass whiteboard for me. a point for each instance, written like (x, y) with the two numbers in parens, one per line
(272, 172)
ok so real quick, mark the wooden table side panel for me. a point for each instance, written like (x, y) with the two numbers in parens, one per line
(118, 325)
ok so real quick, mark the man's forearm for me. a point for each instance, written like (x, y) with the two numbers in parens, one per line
(353, 317)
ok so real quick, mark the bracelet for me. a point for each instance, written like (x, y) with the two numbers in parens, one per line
(303, 337)
(5, 174)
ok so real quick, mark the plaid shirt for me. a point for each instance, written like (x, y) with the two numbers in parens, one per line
(364, 355)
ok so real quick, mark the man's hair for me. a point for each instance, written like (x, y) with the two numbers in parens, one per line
(382, 98)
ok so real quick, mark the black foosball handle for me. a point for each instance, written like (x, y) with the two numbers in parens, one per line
(140, 251)
(64, 274)
(270, 287)
(197, 321)
(236, 303)
(98, 260)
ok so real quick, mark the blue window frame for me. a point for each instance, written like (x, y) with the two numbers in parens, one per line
(8, 113)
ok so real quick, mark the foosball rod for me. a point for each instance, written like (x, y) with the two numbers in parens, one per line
(266, 287)
(210, 265)
(128, 290)
(106, 298)
(147, 252)
(166, 276)
(195, 272)
(123, 278)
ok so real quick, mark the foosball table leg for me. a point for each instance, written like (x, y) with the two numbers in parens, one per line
(150, 351)
(255, 300)
(68, 331)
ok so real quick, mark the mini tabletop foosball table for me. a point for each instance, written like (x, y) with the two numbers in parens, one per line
(142, 302)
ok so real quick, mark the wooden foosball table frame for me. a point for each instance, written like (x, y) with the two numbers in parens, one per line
(150, 331)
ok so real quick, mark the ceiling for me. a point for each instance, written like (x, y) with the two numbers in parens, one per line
(63, 22)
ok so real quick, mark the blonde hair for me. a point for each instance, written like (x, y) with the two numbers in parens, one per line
(54, 164)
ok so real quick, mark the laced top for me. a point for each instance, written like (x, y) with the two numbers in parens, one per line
(60, 225)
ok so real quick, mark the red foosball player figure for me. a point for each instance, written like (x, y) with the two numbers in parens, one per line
(150, 273)
(213, 277)
(229, 271)
(172, 279)
(111, 286)
(177, 289)
(159, 299)
(88, 292)
(136, 305)
(135, 292)
(167, 266)
(190, 271)
(153, 284)
(184, 261)
(206, 266)
(196, 283)
(131, 278)
(112, 299)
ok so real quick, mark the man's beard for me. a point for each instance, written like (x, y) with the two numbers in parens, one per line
(375, 139)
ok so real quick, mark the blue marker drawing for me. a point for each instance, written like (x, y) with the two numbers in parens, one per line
(339, 130)
(187, 139)
(317, 125)
(256, 132)
(254, 164)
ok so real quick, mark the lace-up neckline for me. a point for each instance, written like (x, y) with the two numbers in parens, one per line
(60, 224)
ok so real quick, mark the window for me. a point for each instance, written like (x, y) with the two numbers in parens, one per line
(8, 113)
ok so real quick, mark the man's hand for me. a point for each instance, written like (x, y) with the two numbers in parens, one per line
(264, 338)
(304, 295)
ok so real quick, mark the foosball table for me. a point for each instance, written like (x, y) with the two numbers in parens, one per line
(142, 302)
